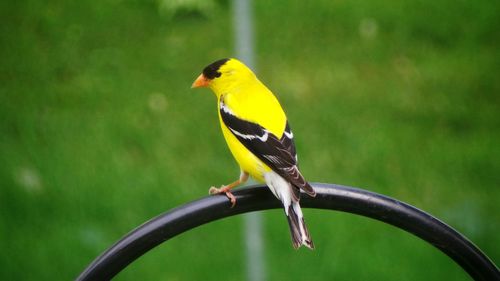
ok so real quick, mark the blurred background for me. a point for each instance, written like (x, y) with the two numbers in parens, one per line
(99, 131)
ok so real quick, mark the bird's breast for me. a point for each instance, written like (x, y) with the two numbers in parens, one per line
(247, 161)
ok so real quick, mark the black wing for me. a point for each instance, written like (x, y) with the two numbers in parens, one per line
(288, 143)
(279, 154)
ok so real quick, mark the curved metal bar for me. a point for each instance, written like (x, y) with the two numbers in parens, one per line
(257, 198)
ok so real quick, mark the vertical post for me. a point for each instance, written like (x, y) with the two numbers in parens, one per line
(243, 31)
(243, 35)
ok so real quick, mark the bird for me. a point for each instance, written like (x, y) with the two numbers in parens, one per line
(259, 137)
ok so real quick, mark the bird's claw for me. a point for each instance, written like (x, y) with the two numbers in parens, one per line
(224, 189)
(213, 190)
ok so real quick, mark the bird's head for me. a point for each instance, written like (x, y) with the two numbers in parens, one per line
(224, 75)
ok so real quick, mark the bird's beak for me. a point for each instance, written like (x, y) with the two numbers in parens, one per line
(200, 82)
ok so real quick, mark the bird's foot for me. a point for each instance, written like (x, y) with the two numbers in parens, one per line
(223, 189)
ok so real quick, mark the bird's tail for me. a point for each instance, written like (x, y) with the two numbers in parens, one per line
(300, 233)
(290, 197)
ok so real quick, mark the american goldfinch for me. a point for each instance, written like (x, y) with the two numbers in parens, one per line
(258, 134)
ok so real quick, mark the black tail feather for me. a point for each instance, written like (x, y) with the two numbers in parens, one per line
(294, 222)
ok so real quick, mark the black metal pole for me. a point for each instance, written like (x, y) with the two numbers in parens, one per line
(256, 198)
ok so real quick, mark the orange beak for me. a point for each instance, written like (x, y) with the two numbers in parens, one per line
(200, 82)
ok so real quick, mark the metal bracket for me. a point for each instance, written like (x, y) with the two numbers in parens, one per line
(257, 198)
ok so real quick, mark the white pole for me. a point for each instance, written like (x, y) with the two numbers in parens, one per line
(243, 35)
(243, 31)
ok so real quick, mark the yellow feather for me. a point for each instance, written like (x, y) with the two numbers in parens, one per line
(249, 100)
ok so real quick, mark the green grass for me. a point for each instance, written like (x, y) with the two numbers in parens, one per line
(99, 132)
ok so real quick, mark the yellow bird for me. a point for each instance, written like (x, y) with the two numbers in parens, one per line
(258, 134)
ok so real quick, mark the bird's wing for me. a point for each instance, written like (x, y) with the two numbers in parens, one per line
(288, 142)
(278, 154)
